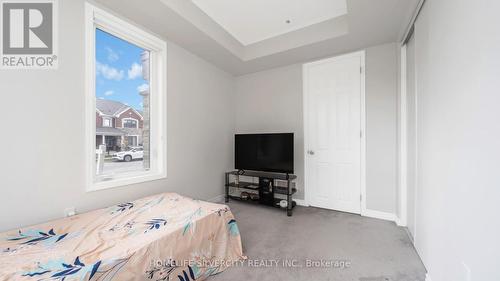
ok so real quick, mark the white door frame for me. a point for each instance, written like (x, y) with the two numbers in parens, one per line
(402, 219)
(403, 170)
(361, 55)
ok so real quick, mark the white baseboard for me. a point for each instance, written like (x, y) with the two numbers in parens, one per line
(301, 202)
(400, 222)
(410, 236)
(379, 215)
(217, 199)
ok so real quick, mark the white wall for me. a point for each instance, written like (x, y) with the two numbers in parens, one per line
(457, 45)
(381, 127)
(271, 101)
(42, 136)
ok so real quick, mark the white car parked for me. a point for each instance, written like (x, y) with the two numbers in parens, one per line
(132, 153)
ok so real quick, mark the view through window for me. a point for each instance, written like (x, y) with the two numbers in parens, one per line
(122, 133)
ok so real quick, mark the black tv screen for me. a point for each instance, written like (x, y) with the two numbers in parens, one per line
(264, 152)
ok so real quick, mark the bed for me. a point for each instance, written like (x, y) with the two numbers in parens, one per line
(162, 237)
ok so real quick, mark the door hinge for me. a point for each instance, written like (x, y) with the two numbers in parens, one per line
(360, 198)
(361, 134)
(361, 70)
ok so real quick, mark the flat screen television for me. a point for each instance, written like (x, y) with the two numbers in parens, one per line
(264, 152)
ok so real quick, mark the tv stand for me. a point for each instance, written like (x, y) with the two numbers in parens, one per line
(262, 192)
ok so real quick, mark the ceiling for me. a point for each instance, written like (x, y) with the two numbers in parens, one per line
(247, 36)
(256, 20)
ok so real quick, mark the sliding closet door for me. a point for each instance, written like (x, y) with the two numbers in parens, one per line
(333, 118)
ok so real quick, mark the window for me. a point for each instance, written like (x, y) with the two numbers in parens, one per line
(106, 122)
(125, 74)
(132, 141)
(130, 123)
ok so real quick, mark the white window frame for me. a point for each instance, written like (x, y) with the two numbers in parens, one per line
(98, 18)
(133, 119)
(107, 119)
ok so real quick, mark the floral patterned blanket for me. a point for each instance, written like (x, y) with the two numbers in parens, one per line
(162, 237)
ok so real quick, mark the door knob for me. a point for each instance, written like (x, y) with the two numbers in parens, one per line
(310, 152)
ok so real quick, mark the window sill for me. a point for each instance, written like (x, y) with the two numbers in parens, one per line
(118, 182)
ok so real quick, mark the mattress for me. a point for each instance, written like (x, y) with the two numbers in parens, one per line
(162, 237)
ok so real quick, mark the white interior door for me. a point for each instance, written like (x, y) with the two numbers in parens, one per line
(333, 98)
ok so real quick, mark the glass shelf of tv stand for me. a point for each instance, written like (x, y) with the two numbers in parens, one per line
(276, 176)
(246, 185)
(254, 186)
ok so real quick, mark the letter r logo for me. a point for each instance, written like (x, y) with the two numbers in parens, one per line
(27, 28)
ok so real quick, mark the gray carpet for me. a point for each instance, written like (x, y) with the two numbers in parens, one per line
(377, 250)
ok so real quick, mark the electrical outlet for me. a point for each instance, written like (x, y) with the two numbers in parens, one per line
(69, 212)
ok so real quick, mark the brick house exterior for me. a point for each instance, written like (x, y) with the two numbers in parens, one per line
(117, 125)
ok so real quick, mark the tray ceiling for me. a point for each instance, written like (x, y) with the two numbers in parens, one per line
(313, 33)
(253, 21)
